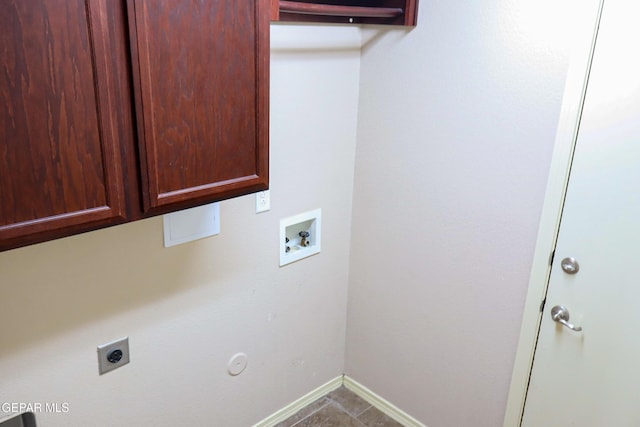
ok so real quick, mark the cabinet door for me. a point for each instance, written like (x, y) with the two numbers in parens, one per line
(60, 161)
(201, 87)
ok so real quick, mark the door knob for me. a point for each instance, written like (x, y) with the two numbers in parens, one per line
(560, 314)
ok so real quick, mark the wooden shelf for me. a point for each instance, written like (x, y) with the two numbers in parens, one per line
(339, 10)
(382, 12)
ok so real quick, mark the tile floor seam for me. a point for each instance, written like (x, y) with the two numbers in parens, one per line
(352, 414)
(359, 422)
(353, 418)
(376, 413)
(362, 413)
(332, 412)
(343, 405)
(312, 413)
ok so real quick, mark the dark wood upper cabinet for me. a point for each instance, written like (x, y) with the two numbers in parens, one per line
(201, 73)
(114, 110)
(60, 156)
(379, 12)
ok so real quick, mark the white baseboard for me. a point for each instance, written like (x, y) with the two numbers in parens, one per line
(373, 399)
(294, 407)
(381, 404)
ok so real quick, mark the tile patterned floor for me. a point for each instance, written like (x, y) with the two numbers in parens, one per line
(340, 408)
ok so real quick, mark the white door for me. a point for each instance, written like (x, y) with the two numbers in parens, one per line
(591, 378)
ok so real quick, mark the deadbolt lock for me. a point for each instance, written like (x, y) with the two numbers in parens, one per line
(570, 265)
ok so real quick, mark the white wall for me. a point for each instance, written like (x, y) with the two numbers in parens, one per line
(457, 121)
(188, 309)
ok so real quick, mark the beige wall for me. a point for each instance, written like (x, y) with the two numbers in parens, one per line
(188, 309)
(457, 121)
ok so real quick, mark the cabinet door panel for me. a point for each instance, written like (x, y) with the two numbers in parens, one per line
(201, 68)
(59, 160)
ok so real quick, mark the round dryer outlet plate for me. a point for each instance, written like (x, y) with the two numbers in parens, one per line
(237, 364)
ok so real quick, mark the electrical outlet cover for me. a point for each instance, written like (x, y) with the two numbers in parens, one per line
(105, 350)
(263, 201)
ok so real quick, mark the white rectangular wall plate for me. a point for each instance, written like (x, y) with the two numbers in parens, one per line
(191, 224)
(300, 236)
